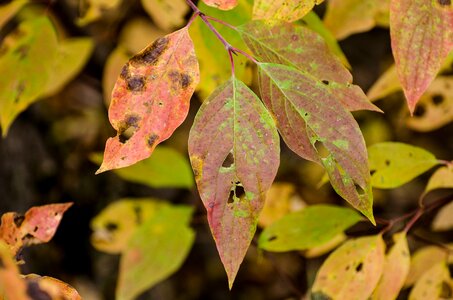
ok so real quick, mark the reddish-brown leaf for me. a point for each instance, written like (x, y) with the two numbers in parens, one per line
(234, 151)
(422, 36)
(151, 99)
(222, 4)
(11, 285)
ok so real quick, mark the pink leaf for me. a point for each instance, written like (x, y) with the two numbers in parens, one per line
(222, 4)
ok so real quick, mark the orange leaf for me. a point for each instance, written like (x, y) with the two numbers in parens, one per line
(222, 4)
(151, 99)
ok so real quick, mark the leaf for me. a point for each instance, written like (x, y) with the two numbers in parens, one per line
(165, 168)
(303, 230)
(352, 271)
(422, 36)
(8, 11)
(50, 288)
(222, 4)
(285, 10)
(114, 226)
(11, 285)
(443, 220)
(30, 52)
(167, 14)
(435, 284)
(346, 17)
(326, 247)
(95, 10)
(155, 251)
(396, 268)
(441, 179)
(215, 66)
(234, 167)
(394, 164)
(151, 99)
(435, 108)
(310, 105)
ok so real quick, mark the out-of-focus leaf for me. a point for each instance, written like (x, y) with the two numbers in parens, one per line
(114, 226)
(441, 179)
(95, 9)
(303, 230)
(167, 14)
(422, 36)
(44, 287)
(155, 251)
(444, 218)
(396, 268)
(434, 284)
(11, 285)
(7, 11)
(222, 4)
(151, 99)
(37, 226)
(285, 10)
(352, 271)
(26, 65)
(435, 106)
(165, 168)
(234, 167)
(346, 17)
(214, 62)
(326, 247)
(280, 200)
(394, 164)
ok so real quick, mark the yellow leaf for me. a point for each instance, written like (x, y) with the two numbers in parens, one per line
(444, 218)
(434, 284)
(11, 285)
(327, 247)
(167, 14)
(95, 9)
(422, 260)
(441, 179)
(8, 11)
(285, 10)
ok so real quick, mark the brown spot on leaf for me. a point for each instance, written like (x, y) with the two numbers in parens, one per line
(186, 80)
(125, 72)
(294, 37)
(444, 2)
(151, 54)
(132, 120)
(136, 83)
(152, 140)
(180, 79)
(22, 51)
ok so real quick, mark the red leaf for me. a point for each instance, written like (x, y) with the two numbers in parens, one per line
(422, 36)
(151, 99)
(234, 151)
(222, 4)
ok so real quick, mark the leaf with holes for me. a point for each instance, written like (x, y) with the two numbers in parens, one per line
(443, 220)
(151, 99)
(394, 164)
(44, 287)
(435, 283)
(422, 36)
(234, 151)
(441, 179)
(352, 271)
(396, 268)
(285, 10)
(303, 103)
(222, 4)
(167, 14)
(11, 285)
(30, 54)
(155, 251)
(7, 11)
(303, 230)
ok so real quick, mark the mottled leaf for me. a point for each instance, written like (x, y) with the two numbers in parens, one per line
(114, 226)
(7, 11)
(346, 17)
(285, 10)
(151, 99)
(441, 179)
(165, 168)
(11, 285)
(215, 66)
(167, 14)
(422, 36)
(303, 230)
(394, 164)
(352, 271)
(222, 4)
(396, 268)
(155, 251)
(444, 218)
(44, 287)
(303, 103)
(234, 167)
(29, 55)
(434, 284)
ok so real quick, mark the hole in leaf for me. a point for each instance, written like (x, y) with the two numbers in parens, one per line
(35, 229)
(138, 215)
(359, 267)
(372, 172)
(231, 197)
(438, 99)
(240, 192)
(126, 134)
(326, 82)
(419, 111)
(229, 160)
(321, 149)
(272, 238)
(360, 191)
(110, 226)
(18, 219)
(387, 162)
(445, 292)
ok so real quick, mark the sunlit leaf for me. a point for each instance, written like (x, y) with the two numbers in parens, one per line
(434, 284)
(167, 14)
(441, 179)
(151, 99)
(215, 66)
(396, 268)
(422, 36)
(7, 11)
(326, 247)
(95, 9)
(222, 4)
(444, 218)
(394, 164)
(30, 53)
(234, 167)
(114, 226)
(285, 10)
(165, 168)
(44, 287)
(155, 251)
(11, 285)
(346, 17)
(303, 230)
(352, 271)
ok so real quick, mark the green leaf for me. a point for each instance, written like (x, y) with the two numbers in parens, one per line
(285, 10)
(165, 168)
(234, 150)
(394, 164)
(352, 271)
(156, 250)
(309, 114)
(30, 54)
(303, 230)
(7, 11)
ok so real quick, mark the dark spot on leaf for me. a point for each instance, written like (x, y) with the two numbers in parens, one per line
(18, 220)
(110, 226)
(359, 267)
(294, 37)
(22, 51)
(186, 80)
(446, 292)
(272, 238)
(180, 79)
(347, 267)
(160, 103)
(326, 82)
(35, 229)
(444, 2)
(438, 99)
(319, 296)
(27, 237)
(35, 292)
(151, 54)
(132, 120)
(136, 83)
(231, 197)
(152, 139)
(372, 172)
(20, 89)
(229, 161)
(125, 72)
(387, 162)
(240, 192)
(138, 215)
(419, 111)
(450, 270)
